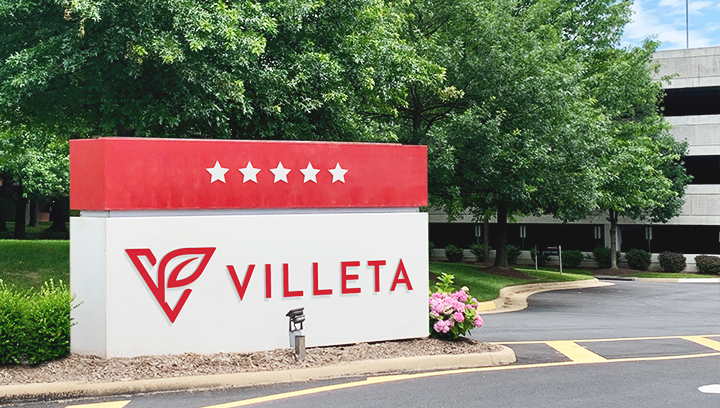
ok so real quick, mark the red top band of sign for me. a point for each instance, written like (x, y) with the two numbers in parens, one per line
(110, 174)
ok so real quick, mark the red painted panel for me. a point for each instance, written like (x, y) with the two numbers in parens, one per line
(87, 175)
(160, 174)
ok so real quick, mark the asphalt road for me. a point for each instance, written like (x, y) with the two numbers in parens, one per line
(635, 344)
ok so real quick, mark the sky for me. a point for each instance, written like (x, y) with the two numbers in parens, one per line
(665, 19)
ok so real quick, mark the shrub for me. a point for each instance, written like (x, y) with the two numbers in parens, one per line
(513, 253)
(431, 247)
(601, 255)
(452, 314)
(47, 324)
(638, 259)
(453, 253)
(572, 258)
(34, 327)
(708, 264)
(543, 259)
(12, 311)
(479, 252)
(672, 262)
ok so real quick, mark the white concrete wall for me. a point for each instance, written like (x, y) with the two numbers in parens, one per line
(701, 132)
(698, 67)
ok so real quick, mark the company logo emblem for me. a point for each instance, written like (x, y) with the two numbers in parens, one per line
(159, 287)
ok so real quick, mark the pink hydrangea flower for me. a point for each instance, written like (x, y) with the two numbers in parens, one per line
(441, 326)
(461, 296)
(459, 317)
(478, 322)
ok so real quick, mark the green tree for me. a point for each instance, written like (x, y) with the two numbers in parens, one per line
(300, 69)
(513, 129)
(39, 167)
(644, 177)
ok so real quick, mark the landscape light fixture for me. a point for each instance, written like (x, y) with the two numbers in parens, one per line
(295, 325)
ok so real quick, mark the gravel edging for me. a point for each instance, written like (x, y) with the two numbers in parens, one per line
(329, 362)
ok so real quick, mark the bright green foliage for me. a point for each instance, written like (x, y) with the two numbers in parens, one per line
(638, 259)
(34, 326)
(514, 129)
(300, 69)
(13, 305)
(445, 283)
(708, 264)
(453, 253)
(572, 258)
(644, 175)
(672, 262)
(149, 68)
(37, 161)
(47, 324)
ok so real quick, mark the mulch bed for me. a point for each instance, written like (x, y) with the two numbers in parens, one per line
(505, 271)
(95, 369)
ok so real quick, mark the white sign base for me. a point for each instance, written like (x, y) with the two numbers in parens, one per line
(360, 277)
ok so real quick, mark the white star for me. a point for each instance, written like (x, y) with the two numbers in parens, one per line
(217, 172)
(310, 173)
(338, 173)
(249, 173)
(280, 173)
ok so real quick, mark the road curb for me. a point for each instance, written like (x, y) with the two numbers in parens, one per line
(514, 298)
(63, 390)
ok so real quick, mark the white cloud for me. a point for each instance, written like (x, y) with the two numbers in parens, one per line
(646, 23)
(711, 27)
(696, 7)
(674, 4)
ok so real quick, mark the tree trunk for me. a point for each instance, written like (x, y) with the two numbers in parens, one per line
(59, 215)
(613, 218)
(501, 257)
(4, 191)
(486, 238)
(34, 214)
(20, 214)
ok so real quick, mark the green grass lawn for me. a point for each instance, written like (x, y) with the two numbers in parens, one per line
(37, 233)
(28, 264)
(485, 286)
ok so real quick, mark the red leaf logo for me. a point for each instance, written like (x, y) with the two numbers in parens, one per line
(158, 289)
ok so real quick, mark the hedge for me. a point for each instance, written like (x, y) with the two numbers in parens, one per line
(34, 325)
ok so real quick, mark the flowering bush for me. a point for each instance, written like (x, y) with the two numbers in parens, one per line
(452, 314)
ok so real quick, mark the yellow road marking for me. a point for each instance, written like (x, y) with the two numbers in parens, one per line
(709, 343)
(576, 352)
(400, 377)
(113, 404)
(506, 343)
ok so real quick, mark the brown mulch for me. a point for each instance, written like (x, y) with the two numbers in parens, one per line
(505, 271)
(95, 369)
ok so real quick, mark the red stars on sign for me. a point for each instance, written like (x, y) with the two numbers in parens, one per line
(280, 173)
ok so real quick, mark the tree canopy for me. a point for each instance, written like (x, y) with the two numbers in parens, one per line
(300, 69)
(528, 106)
